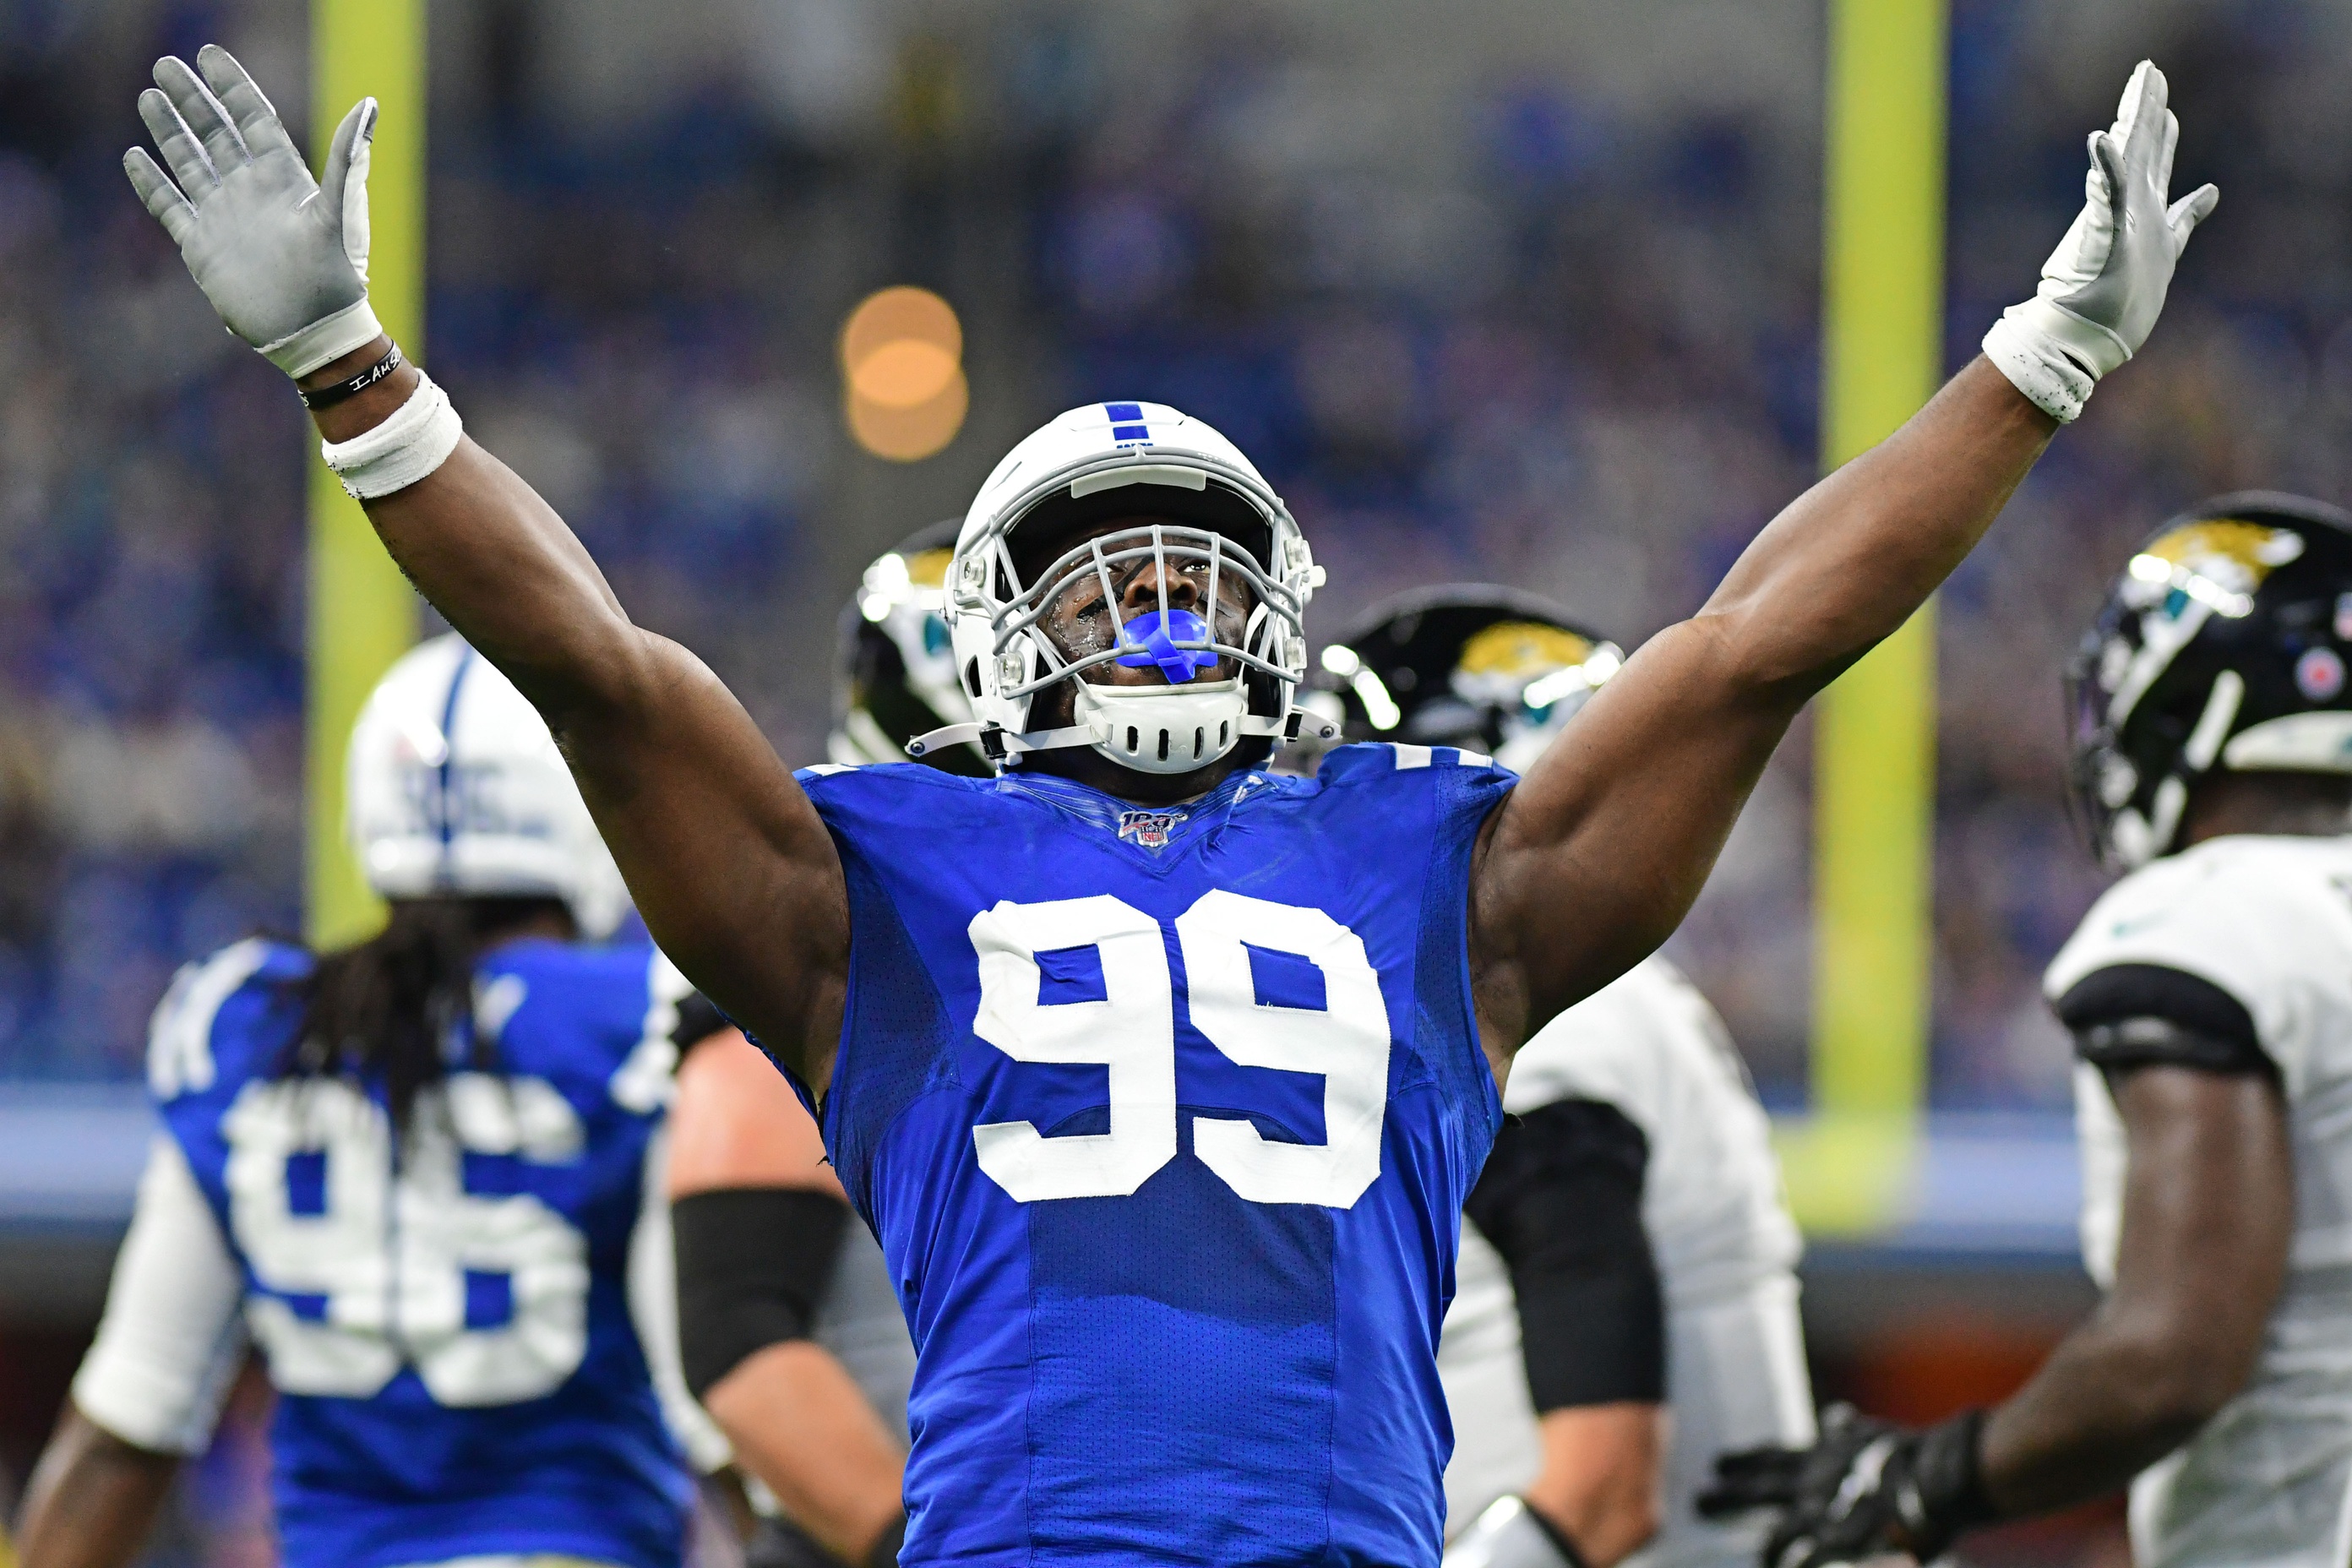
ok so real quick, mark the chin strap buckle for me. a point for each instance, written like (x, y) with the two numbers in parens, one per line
(957, 735)
(1321, 729)
(1000, 744)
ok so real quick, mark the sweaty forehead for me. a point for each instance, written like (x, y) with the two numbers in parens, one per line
(1071, 538)
(1061, 522)
(1037, 543)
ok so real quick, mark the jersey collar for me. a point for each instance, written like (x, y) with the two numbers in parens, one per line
(1151, 831)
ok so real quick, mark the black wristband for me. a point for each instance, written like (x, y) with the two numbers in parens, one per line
(327, 396)
(698, 1019)
(1950, 1476)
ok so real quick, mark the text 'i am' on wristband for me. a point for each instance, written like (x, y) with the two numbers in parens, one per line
(327, 396)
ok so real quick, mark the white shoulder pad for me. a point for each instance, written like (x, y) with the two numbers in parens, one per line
(180, 1036)
(2268, 919)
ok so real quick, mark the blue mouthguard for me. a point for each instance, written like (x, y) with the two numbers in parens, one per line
(1151, 640)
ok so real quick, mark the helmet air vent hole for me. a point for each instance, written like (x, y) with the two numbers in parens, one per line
(1163, 745)
(1200, 742)
(972, 676)
(1134, 742)
(1221, 729)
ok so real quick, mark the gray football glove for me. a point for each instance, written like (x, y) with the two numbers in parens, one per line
(2104, 285)
(283, 261)
(1510, 1534)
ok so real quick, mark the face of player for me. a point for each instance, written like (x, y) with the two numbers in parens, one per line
(1078, 614)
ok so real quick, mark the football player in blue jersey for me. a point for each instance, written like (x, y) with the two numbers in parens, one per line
(1162, 1080)
(420, 1175)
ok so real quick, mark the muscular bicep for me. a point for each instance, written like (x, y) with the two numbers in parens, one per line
(726, 859)
(2208, 1214)
(1594, 859)
(2208, 1211)
(2209, 1177)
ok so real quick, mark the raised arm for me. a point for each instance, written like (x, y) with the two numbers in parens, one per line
(1594, 859)
(728, 861)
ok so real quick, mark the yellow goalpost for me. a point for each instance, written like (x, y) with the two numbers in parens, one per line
(362, 613)
(1849, 1164)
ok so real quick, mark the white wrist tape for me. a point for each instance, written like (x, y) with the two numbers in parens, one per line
(416, 440)
(325, 341)
(2036, 361)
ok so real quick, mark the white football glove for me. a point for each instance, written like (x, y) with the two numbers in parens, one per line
(284, 262)
(2103, 286)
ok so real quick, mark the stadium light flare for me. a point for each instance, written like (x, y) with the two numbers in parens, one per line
(904, 392)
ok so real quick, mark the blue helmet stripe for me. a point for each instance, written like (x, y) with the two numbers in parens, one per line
(448, 770)
(1127, 422)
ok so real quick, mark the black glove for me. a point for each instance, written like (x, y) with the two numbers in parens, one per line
(1866, 1488)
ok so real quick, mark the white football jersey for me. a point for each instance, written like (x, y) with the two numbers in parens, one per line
(2269, 920)
(1726, 1252)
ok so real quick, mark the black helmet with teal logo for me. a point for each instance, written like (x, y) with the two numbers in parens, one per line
(2223, 644)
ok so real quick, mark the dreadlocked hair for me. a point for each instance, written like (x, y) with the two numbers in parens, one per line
(388, 1008)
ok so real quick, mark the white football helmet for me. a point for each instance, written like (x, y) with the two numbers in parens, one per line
(455, 786)
(1223, 520)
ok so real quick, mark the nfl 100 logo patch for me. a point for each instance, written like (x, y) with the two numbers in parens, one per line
(1148, 829)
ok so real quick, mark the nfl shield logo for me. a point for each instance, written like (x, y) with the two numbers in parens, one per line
(1148, 829)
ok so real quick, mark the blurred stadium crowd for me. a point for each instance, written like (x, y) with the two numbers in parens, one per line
(1484, 301)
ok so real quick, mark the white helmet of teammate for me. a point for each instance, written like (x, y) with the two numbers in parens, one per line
(454, 786)
(1097, 464)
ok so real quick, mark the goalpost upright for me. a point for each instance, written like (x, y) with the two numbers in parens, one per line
(363, 613)
(1874, 767)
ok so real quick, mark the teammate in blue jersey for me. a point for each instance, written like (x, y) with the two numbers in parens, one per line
(413, 1173)
(1162, 1079)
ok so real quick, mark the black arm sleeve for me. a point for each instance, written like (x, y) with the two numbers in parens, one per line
(752, 1264)
(1561, 1200)
(2144, 1014)
(698, 1019)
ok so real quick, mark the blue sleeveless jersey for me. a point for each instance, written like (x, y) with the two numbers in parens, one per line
(448, 1332)
(1165, 1119)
